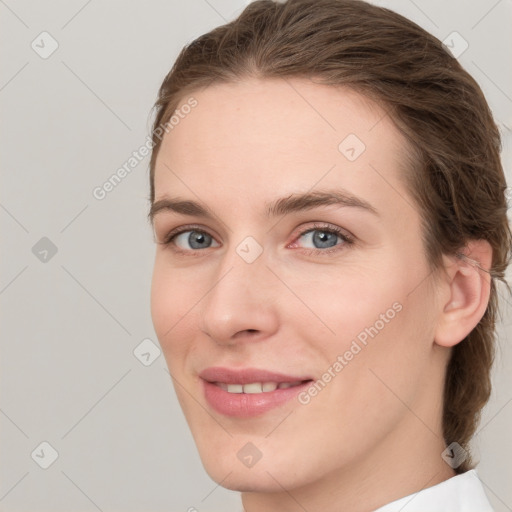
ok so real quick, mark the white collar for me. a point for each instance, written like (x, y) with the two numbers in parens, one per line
(460, 493)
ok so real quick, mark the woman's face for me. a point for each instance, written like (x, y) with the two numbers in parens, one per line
(261, 289)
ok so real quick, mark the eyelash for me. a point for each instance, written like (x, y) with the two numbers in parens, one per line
(347, 240)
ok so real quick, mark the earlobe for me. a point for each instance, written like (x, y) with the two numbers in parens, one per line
(469, 286)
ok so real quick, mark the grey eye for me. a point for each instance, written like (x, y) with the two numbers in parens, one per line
(195, 239)
(321, 238)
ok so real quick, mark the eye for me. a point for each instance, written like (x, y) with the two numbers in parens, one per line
(187, 239)
(324, 239)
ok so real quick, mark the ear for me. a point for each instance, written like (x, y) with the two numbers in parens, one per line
(468, 287)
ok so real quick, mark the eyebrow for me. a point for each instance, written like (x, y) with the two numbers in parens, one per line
(281, 206)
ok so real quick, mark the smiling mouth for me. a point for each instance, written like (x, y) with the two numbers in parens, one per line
(249, 392)
(258, 387)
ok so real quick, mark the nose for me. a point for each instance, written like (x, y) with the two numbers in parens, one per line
(242, 301)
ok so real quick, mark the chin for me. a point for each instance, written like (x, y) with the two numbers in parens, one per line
(269, 474)
(245, 479)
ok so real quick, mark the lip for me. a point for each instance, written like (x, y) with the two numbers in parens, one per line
(245, 405)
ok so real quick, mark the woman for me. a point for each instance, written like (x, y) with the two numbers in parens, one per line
(328, 201)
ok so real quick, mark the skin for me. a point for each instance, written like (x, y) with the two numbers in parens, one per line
(373, 434)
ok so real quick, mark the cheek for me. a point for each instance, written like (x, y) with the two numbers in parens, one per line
(172, 300)
(350, 301)
(375, 322)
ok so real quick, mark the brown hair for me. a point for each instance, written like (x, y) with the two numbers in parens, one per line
(457, 179)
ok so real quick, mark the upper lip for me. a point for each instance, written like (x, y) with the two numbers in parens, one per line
(246, 375)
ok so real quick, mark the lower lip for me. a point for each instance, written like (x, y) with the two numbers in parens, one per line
(246, 405)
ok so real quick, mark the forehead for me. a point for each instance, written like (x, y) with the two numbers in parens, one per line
(270, 137)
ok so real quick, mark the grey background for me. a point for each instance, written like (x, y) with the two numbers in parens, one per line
(70, 324)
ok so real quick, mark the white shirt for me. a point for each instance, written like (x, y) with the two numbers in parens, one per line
(460, 493)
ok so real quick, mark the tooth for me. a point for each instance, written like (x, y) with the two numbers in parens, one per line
(269, 386)
(254, 387)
